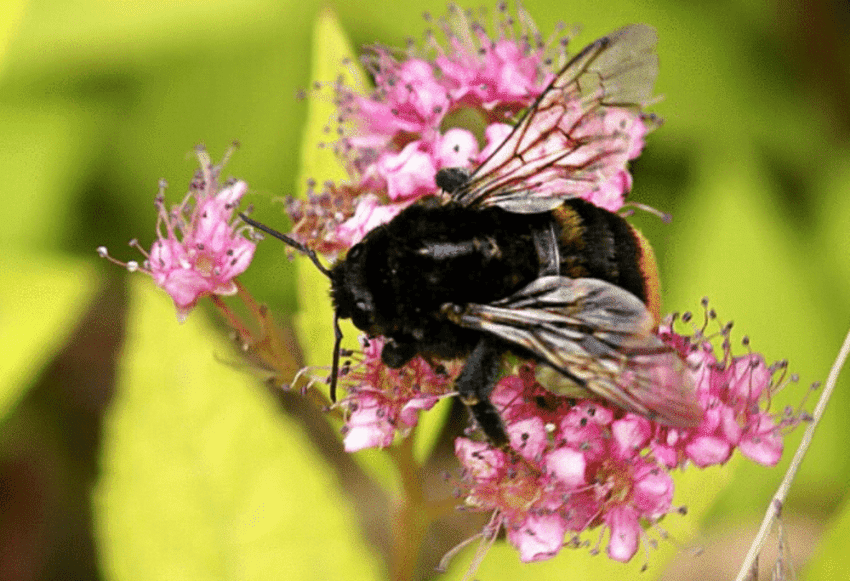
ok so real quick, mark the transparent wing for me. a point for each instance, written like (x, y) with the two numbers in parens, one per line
(577, 134)
(594, 335)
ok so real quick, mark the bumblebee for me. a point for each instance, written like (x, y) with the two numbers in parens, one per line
(510, 259)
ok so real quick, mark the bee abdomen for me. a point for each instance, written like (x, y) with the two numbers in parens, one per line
(596, 243)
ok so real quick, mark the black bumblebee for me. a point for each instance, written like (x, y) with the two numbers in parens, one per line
(511, 260)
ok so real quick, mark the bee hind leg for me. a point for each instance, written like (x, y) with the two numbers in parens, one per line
(474, 385)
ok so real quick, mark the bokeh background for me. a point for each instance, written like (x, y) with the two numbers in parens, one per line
(132, 447)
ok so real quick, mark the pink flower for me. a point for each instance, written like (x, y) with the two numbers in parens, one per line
(409, 173)
(408, 97)
(706, 451)
(568, 466)
(610, 194)
(625, 532)
(426, 109)
(456, 148)
(491, 74)
(370, 422)
(495, 134)
(574, 466)
(528, 437)
(200, 248)
(762, 441)
(482, 462)
(538, 537)
(527, 502)
(369, 214)
(652, 490)
(631, 434)
(384, 401)
(732, 391)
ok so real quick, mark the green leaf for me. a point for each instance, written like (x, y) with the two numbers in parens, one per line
(333, 59)
(48, 148)
(63, 35)
(330, 49)
(42, 299)
(430, 427)
(10, 18)
(203, 476)
(833, 218)
(824, 474)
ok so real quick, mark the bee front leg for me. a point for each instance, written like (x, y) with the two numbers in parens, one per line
(395, 354)
(474, 385)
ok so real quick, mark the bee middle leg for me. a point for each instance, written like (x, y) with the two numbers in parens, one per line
(474, 385)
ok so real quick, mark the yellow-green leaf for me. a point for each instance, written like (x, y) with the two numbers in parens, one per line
(430, 427)
(203, 477)
(330, 49)
(42, 299)
(333, 59)
(733, 245)
(10, 18)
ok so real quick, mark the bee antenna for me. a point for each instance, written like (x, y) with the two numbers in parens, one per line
(311, 254)
(335, 365)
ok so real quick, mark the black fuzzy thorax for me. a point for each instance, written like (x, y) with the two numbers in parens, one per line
(430, 255)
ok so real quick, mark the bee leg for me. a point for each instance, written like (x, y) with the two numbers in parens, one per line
(395, 354)
(474, 385)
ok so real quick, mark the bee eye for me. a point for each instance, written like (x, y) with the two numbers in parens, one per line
(356, 251)
(362, 315)
(361, 321)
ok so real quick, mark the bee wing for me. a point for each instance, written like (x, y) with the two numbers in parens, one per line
(596, 335)
(566, 143)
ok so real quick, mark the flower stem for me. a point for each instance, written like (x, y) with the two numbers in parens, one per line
(274, 346)
(775, 507)
(230, 317)
(413, 513)
(247, 298)
(411, 519)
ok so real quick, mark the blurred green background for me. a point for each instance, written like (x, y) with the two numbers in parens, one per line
(137, 448)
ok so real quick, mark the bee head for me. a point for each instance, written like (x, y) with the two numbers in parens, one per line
(311, 254)
(350, 290)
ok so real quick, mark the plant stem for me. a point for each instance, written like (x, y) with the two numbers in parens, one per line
(230, 317)
(411, 519)
(413, 513)
(782, 492)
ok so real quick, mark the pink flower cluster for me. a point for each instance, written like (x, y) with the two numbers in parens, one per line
(200, 249)
(572, 465)
(579, 465)
(382, 401)
(730, 391)
(445, 106)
